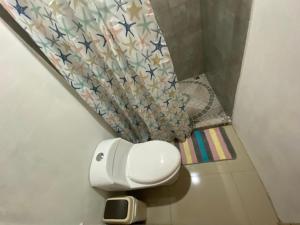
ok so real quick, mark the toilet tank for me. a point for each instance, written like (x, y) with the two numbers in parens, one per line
(108, 164)
(102, 163)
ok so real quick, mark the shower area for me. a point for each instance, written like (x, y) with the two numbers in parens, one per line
(206, 39)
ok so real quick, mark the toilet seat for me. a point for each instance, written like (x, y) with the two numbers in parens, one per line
(144, 157)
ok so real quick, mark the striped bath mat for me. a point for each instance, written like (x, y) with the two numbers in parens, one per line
(207, 145)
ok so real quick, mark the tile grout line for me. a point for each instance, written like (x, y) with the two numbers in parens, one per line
(170, 213)
(169, 206)
(255, 171)
(265, 192)
(239, 194)
(268, 195)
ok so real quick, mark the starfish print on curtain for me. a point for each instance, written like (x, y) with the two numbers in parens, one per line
(113, 53)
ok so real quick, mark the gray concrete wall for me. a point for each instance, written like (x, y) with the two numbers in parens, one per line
(206, 36)
(224, 28)
(180, 23)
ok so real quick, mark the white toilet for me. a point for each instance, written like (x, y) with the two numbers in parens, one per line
(119, 165)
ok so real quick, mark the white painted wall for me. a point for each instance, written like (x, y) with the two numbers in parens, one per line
(47, 139)
(267, 108)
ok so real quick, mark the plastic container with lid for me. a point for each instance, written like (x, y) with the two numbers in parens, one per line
(124, 210)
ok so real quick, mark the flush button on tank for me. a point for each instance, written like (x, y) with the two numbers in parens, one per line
(100, 156)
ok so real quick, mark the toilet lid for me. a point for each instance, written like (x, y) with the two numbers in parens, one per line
(152, 162)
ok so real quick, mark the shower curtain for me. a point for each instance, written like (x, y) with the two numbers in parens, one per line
(113, 53)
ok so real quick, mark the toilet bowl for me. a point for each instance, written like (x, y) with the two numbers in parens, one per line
(119, 165)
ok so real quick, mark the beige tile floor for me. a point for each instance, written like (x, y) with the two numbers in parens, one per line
(221, 193)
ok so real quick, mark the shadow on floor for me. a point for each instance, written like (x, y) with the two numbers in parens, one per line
(164, 195)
